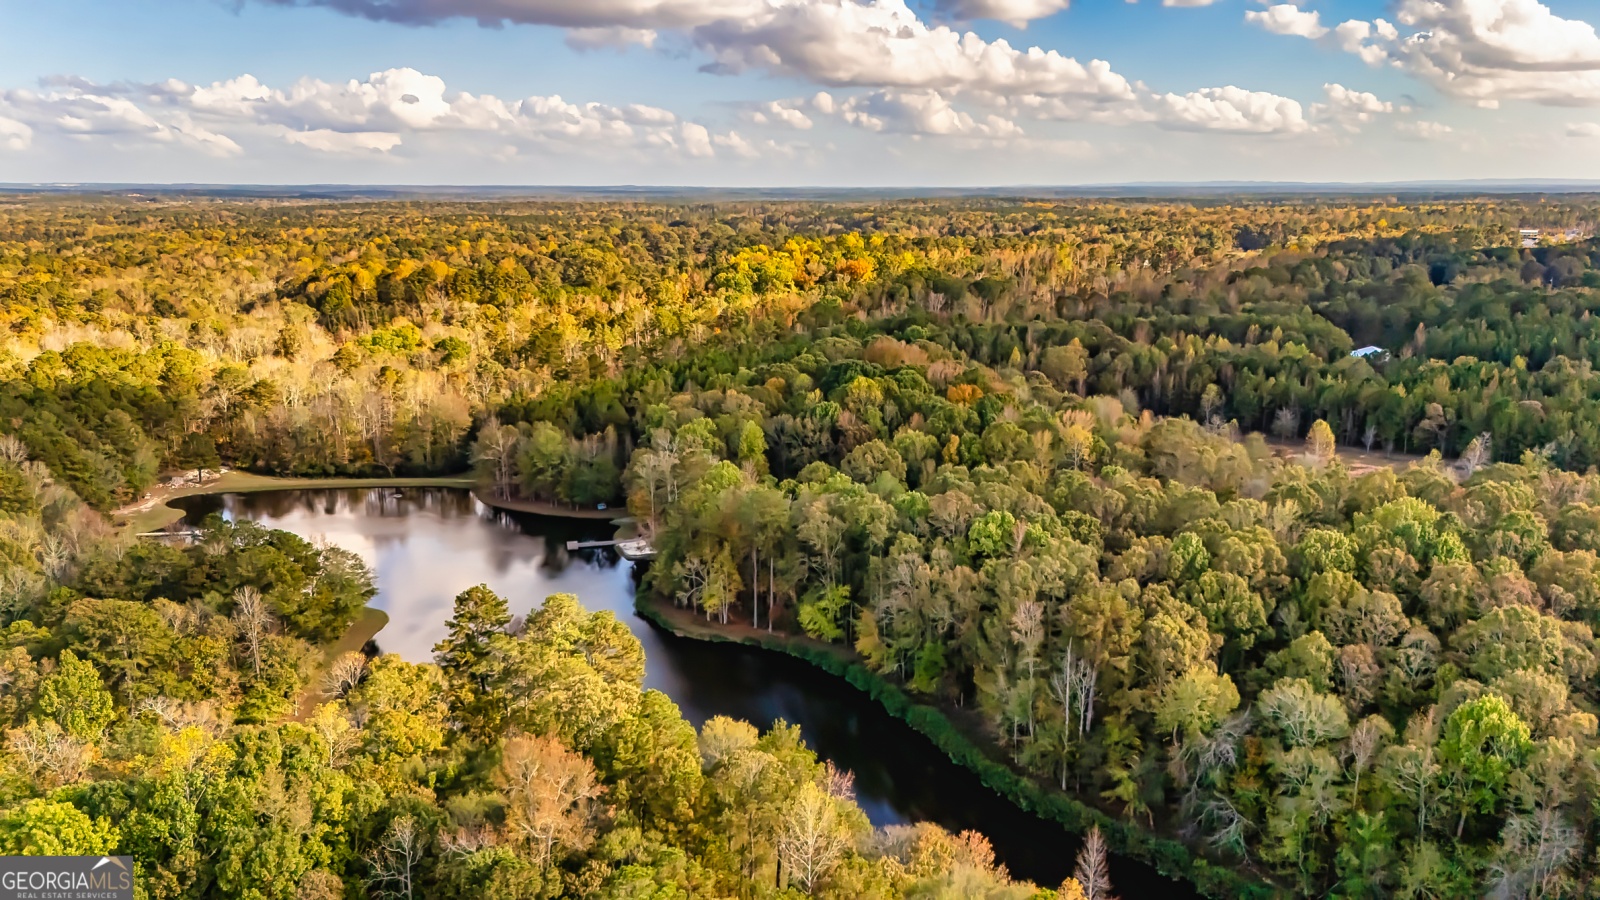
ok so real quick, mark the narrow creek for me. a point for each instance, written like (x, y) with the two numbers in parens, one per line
(425, 545)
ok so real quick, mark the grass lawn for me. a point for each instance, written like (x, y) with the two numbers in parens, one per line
(363, 629)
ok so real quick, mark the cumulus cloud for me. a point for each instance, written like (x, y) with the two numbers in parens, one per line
(921, 113)
(1483, 51)
(1230, 109)
(736, 144)
(1352, 37)
(895, 71)
(783, 112)
(1286, 18)
(697, 139)
(872, 44)
(746, 148)
(373, 116)
(883, 44)
(74, 109)
(1347, 108)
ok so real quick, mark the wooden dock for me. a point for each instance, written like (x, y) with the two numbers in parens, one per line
(585, 545)
(190, 534)
(633, 549)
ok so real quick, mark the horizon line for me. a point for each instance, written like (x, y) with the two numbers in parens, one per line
(1130, 189)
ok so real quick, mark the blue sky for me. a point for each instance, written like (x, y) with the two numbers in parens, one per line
(797, 92)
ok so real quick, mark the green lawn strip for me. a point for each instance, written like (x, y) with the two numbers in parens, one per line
(363, 629)
(160, 515)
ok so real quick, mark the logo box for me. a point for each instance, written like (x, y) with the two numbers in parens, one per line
(66, 878)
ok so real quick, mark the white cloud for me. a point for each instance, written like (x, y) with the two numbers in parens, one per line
(617, 36)
(921, 113)
(328, 141)
(783, 112)
(1069, 109)
(883, 44)
(376, 115)
(746, 148)
(1230, 109)
(697, 140)
(14, 135)
(1485, 51)
(1286, 18)
(1425, 131)
(1013, 12)
(737, 145)
(1352, 37)
(1576, 130)
(393, 99)
(884, 48)
(1347, 108)
(72, 108)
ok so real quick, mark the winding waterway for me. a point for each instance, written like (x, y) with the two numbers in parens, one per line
(425, 545)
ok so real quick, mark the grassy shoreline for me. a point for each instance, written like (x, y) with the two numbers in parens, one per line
(1166, 855)
(366, 627)
(153, 513)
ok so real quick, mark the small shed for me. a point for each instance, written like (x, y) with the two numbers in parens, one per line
(1369, 351)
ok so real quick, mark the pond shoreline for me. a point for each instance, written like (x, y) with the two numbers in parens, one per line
(544, 508)
(152, 513)
(1170, 857)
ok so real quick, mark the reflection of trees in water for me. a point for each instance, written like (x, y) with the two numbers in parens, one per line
(505, 539)
(421, 541)
(377, 503)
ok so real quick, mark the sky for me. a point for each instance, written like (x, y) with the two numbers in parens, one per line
(787, 93)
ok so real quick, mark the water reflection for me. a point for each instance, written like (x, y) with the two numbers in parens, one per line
(426, 545)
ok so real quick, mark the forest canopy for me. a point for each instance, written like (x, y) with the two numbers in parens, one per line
(1112, 474)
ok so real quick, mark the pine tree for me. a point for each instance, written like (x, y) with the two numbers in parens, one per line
(1320, 444)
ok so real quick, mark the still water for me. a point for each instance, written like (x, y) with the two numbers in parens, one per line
(425, 545)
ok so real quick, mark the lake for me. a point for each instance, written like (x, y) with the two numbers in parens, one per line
(425, 545)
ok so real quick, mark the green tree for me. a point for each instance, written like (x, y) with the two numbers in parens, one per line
(52, 828)
(472, 656)
(74, 697)
(1484, 744)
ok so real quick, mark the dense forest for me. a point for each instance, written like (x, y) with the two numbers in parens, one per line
(1106, 477)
